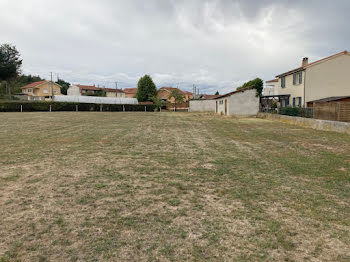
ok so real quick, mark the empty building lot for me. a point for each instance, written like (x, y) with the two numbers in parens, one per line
(91, 186)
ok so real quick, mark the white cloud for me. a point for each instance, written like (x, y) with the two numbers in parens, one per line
(215, 45)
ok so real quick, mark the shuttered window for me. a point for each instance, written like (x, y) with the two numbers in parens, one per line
(283, 82)
(300, 77)
(294, 78)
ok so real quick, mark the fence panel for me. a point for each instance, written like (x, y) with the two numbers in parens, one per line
(344, 112)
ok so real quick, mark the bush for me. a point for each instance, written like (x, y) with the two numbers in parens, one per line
(290, 111)
(40, 106)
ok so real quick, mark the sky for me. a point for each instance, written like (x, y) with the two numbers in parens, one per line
(215, 45)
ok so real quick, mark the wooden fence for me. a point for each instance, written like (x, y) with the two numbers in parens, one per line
(336, 111)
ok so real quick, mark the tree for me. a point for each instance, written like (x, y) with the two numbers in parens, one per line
(10, 65)
(65, 85)
(10, 62)
(257, 83)
(177, 95)
(217, 93)
(146, 89)
(157, 102)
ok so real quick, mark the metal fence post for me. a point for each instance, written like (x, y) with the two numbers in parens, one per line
(145, 109)
(100, 108)
(123, 108)
(21, 108)
(76, 108)
(50, 108)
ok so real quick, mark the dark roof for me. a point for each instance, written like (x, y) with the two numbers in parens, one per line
(95, 88)
(309, 64)
(234, 92)
(329, 99)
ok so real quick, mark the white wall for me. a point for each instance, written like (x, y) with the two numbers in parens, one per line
(202, 106)
(244, 103)
(329, 78)
(73, 91)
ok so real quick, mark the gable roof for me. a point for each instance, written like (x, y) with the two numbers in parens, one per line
(235, 92)
(313, 63)
(35, 84)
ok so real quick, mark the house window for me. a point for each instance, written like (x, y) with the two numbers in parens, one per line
(283, 82)
(221, 102)
(29, 90)
(294, 78)
(55, 91)
(293, 101)
(300, 77)
(299, 101)
(45, 91)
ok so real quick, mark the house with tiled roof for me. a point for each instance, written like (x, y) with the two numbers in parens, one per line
(83, 90)
(41, 90)
(327, 77)
(130, 92)
(164, 93)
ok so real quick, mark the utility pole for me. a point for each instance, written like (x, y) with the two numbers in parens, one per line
(51, 87)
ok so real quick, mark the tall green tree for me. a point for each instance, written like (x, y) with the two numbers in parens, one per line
(10, 62)
(146, 89)
(65, 85)
(217, 93)
(257, 83)
(10, 65)
(177, 95)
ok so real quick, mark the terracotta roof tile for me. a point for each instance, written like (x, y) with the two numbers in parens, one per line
(35, 84)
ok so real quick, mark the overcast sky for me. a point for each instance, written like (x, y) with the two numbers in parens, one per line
(215, 45)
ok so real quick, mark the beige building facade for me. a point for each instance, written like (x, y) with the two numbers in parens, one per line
(323, 78)
(41, 90)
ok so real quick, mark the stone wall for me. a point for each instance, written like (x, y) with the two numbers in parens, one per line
(326, 125)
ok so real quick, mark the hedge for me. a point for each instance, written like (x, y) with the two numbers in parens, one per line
(41, 106)
(297, 111)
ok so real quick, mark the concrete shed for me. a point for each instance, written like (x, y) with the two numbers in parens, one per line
(202, 105)
(242, 102)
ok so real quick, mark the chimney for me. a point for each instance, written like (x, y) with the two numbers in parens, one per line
(305, 61)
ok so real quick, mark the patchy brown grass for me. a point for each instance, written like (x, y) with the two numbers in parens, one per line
(170, 187)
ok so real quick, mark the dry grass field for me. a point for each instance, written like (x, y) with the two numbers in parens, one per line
(170, 187)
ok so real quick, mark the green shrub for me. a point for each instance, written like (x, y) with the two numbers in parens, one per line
(290, 111)
(41, 106)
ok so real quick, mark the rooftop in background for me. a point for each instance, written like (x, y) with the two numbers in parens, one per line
(169, 89)
(330, 99)
(272, 81)
(310, 64)
(130, 90)
(209, 96)
(96, 88)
